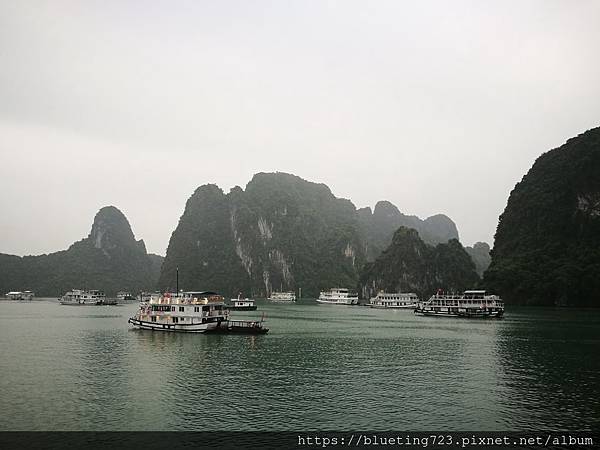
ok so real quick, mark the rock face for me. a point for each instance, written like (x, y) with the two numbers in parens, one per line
(109, 259)
(480, 254)
(411, 265)
(281, 232)
(547, 244)
(380, 225)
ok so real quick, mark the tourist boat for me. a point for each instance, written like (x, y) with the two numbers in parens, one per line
(125, 296)
(80, 297)
(191, 312)
(147, 296)
(242, 304)
(389, 300)
(338, 296)
(282, 296)
(468, 304)
(18, 295)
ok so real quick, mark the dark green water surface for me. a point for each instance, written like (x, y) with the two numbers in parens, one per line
(321, 367)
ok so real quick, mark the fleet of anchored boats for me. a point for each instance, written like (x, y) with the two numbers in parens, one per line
(206, 311)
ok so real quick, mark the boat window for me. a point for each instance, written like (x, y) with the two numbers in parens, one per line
(196, 309)
(153, 318)
(172, 308)
(181, 308)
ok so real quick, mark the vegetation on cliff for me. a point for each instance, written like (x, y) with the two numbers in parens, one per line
(281, 232)
(547, 244)
(379, 226)
(411, 265)
(109, 259)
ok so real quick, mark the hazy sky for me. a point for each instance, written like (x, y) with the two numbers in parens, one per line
(439, 107)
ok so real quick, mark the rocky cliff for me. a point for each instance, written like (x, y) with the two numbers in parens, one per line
(379, 227)
(480, 254)
(281, 232)
(547, 244)
(411, 265)
(109, 258)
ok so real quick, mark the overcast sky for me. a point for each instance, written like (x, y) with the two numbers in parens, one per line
(439, 107)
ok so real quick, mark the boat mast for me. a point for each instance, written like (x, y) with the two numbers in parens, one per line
(177, 282)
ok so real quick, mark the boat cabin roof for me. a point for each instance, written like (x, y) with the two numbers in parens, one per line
(475, 292)
(197, 293)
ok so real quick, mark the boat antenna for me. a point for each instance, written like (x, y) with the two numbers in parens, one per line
(177, 270)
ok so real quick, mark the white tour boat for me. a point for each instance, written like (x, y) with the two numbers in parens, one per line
(389, 300)
(124, 296)
(191, 312)
(468, 304)
(147, 296)
(242, 304)
(18, 295)
(80, 297)
(282, 296)
(338, 296)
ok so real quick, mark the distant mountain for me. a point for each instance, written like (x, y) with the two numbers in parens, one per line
(547, 244)
(379, 227)
(480, 254)
(109, 259)
(281, 232)
(411, 265)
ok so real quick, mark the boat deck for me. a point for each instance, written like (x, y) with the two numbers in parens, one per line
(242, 327)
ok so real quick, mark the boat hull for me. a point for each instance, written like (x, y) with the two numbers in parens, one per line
(242, 308)
(80, 304)
(393, 307)
(178, 327)
(337, 302)
(100, 303)
(469, 314)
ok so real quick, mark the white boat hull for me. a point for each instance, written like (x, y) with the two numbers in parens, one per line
(63, 302)
(178, 327)
(393, 307)
(338, 302)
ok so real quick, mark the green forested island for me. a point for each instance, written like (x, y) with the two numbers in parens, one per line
(547, 244)
(411, 265)
(282, 232)
(109, 259)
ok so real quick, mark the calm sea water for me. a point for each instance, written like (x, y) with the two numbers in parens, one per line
(321, 367)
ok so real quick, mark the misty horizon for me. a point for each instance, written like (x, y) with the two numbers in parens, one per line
(437, 108)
